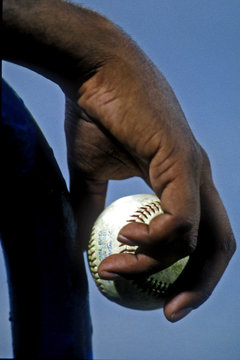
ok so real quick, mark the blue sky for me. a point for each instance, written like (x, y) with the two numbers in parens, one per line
(196, 45)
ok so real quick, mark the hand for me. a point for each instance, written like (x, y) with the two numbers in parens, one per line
(127, 122)
(124, 120)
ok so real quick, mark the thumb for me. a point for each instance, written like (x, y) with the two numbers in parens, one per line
(88, 201)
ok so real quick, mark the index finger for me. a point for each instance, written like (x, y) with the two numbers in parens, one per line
(168, 238)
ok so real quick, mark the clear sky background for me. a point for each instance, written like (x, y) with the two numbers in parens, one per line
(196, 45)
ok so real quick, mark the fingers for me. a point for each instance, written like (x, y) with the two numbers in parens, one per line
(195, 286)
(160, 244)
(207, 263)
(216, 246)
(163, 229)
(168, 238)
(126, 265)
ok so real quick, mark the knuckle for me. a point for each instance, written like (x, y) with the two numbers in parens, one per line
(183, 225)
(206, 293)
(187, 235)
(229, 247)
(232, 246)
(206, 170)
(190, 245)
(195, 155)
(205, 158)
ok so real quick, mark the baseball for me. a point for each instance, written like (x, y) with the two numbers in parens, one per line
(147, 293)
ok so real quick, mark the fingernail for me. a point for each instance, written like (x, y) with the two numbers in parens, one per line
(180, 314)
(106, 275)
(125, 240)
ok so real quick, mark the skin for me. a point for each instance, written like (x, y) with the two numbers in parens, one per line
(123, 120)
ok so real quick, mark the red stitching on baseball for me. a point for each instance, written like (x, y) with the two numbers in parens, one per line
(145, 208)
(141, 212)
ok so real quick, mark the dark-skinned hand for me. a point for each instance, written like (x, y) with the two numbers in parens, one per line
(127, 122)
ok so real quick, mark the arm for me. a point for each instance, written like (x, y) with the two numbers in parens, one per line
(122, 120)
(61, 41)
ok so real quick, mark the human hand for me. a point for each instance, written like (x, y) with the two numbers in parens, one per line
(129, 123)
(124, 120)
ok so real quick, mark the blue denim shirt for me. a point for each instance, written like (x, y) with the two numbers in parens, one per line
(49, 305)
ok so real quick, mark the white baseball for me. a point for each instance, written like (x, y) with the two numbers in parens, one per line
(148, 293)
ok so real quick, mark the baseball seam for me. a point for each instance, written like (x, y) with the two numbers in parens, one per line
(92, 261)
(149, 285)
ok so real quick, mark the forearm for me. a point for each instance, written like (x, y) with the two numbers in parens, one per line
(68, 44)
(63, 42)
